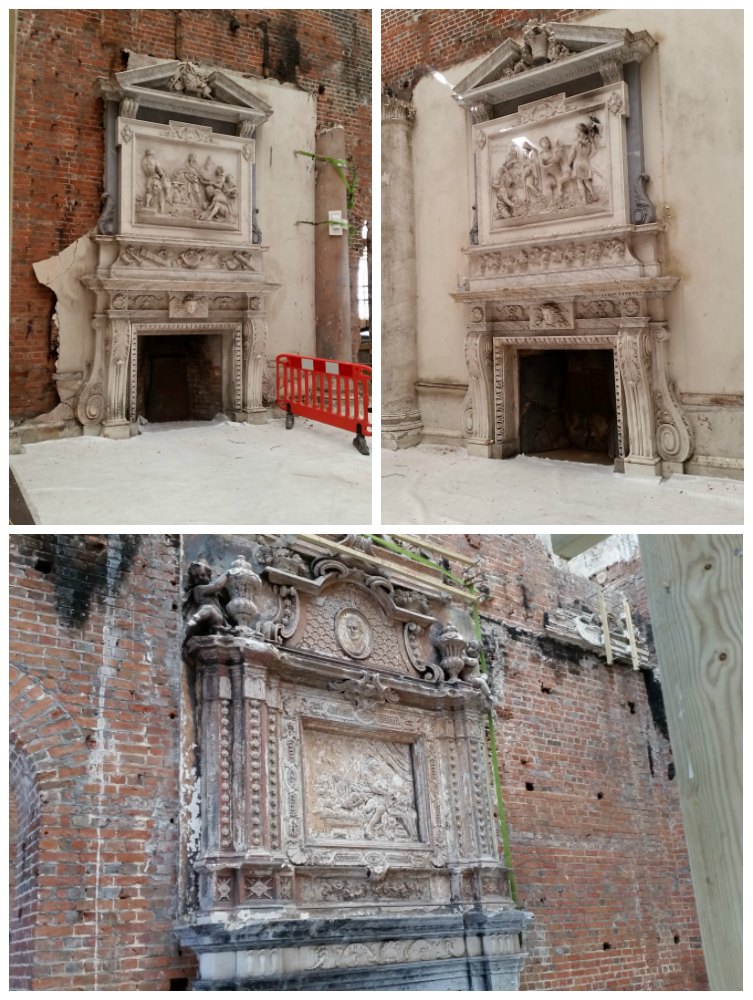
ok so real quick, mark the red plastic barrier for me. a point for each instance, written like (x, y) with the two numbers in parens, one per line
(332, 392)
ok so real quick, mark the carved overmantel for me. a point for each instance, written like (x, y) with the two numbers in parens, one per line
(347, 831)
(180, 251)
(565, 251)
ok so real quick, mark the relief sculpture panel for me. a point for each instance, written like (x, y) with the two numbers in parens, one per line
(373, 798)
(552, 167)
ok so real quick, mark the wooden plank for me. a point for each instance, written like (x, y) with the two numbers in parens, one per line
(695, 598)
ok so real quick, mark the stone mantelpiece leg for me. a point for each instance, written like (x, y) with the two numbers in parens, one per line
(634, 354)
(478, 408)
(401, 421)
(675, 441)
(254, 366)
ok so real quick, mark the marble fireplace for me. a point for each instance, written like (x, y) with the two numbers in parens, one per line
(566, 253)
(341, 832)
(179, 284)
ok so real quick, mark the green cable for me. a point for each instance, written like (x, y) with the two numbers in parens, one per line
(501, 811)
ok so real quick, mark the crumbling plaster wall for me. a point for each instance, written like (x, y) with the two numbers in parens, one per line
(692, 101)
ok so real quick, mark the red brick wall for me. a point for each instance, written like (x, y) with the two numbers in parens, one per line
(598, 848)
(24, 859)
(95, 688)
(59, 144)
(413, 40)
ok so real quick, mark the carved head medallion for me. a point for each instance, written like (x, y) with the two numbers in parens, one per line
(353, 633)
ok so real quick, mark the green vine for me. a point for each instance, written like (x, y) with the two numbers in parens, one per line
(349, 179)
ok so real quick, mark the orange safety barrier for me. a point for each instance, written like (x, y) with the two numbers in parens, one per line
(332, 392)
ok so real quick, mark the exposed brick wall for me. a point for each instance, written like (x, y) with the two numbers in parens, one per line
(414, 40)
(95, 688)
(24, 861)
(598, 848)
(59, 139)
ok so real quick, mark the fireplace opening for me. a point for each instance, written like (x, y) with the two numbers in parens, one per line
(567, 405)
(179, 377)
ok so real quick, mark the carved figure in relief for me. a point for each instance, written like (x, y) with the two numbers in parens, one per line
(202, 601)
(580, 160)
(157, 182)
(554, 169)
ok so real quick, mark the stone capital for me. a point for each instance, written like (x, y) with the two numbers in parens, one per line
(394, 109)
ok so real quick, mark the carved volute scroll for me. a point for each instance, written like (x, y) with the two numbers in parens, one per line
(341, 734)
(564, 235)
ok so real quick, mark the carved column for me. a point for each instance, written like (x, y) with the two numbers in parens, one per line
(117, 356)
(333, 328)
(506, 406)
(254, 363)
(478, 422)
(401, 420)
(634, 354)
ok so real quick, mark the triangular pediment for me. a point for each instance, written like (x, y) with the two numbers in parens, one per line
(192, 89)
(568, 51)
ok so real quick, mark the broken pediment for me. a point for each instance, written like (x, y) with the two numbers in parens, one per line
(550, 55)
(187, 88)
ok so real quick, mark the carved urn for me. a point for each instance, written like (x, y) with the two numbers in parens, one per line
(243, 585)
(451, 647)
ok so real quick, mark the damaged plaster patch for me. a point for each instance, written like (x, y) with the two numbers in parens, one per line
(620, 548)
(73, 313)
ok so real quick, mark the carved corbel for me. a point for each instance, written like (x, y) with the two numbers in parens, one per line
(675, 441)
(129, 107)
(480, 112)
(478, 405)
(634, 356)
(91, 402)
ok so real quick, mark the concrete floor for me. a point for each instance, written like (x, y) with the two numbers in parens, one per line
(200, 473)
(434, 484)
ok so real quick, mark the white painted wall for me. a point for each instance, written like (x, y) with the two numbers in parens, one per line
(692, 100)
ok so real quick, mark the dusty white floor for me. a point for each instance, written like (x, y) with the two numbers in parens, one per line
(211, 473)
(432, 484)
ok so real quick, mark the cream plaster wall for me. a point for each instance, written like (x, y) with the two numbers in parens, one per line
(285, 197)
(692, 99)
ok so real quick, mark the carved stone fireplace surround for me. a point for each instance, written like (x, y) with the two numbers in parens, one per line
(179, 248)
(565, 251)
(346, 835)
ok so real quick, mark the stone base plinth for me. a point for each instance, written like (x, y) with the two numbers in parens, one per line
(117, 431)
(404, 431)
(253, 416)
(642, 467)
(462, 951)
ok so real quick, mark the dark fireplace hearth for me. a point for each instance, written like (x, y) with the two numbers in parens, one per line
(180, 377)
(567, 404)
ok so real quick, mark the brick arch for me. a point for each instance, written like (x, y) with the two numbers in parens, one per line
(47, 753)
(24, 866)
